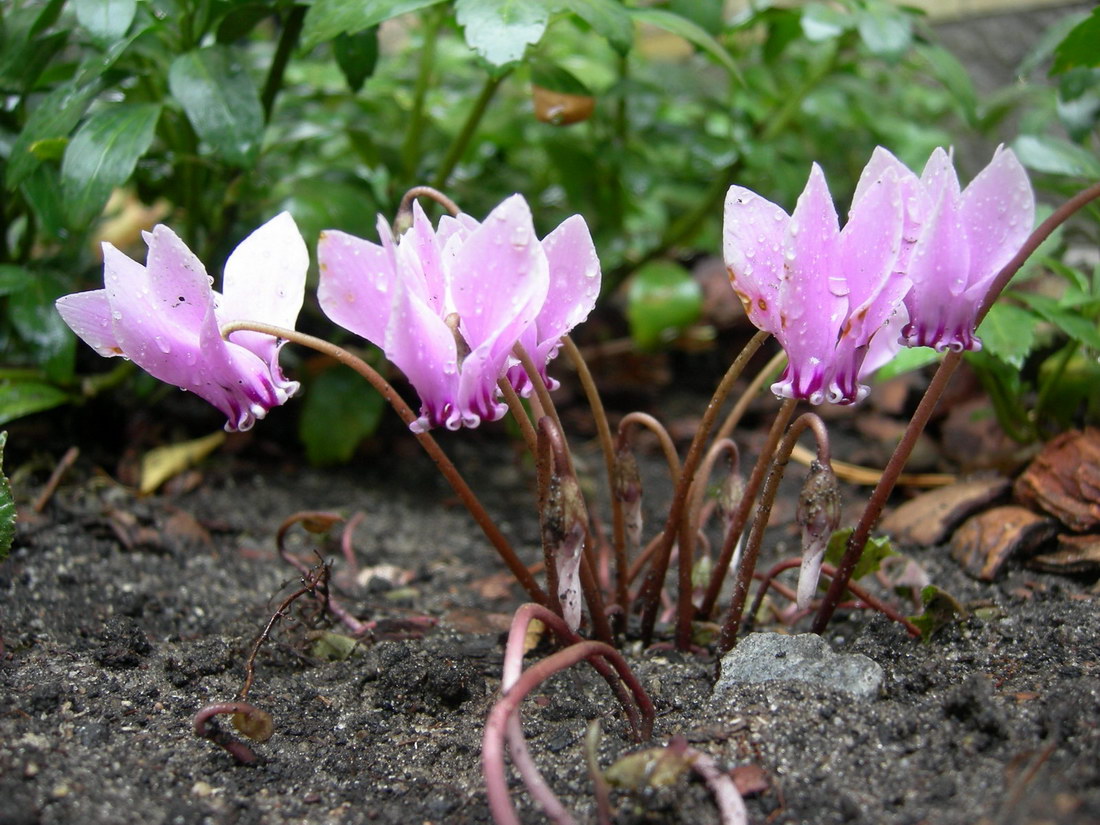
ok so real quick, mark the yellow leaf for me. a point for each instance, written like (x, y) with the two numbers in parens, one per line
(160, 464)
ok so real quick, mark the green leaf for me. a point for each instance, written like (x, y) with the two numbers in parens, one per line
(7, 506)
(608, 18)
(556, 78)
(328, 18)
(19, 398)
(1081, 46)
(1072, 323)
(953, 75)
(886, 31)
(42, 189)
(500, 30)
(1008, 332)
(221, 102)
(55, 117)
(357, 55)
(333, 647)
(340, 410)
(663, 299)
(105, 20)
(821, 22)
(694, 34)
(242, 19)
(940, 610)
(102, 155)
(1055, 156)
(14, 278)
(874, 551)
(38, 323)
(907, 360)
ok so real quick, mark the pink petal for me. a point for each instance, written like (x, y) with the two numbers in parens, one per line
(499, 281)
(753, 235)
(998, 213)
(357, 283)
(420, 344)
(938, 176)
(881, 160)
(813, 296)
(177, 280)
(265, 277)
(420, 251)
(88, 314)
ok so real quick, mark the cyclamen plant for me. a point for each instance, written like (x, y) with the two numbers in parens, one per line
(472, 312)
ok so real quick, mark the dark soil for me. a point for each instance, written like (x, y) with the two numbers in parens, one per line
(122, 616)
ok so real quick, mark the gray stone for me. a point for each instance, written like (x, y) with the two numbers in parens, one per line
(766, 657)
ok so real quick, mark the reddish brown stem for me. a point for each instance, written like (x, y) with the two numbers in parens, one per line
(237, 749)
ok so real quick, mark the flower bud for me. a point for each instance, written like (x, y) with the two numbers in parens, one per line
(818, 516)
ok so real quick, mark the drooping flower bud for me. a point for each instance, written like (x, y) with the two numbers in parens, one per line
(818, 516)
(628, 490)
(564, 526)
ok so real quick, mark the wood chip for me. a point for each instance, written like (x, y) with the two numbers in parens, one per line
(1075, 555)
(1064, 479)
(985, 542)
(928, 519)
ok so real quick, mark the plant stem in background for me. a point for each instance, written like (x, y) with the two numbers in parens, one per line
(288, 40)
(410, 146)
(917, 423)
(462, 139)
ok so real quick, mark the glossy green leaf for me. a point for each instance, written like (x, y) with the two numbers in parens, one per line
(940, 610)
(1055, 156)
(55, 117)
(357, 55)
(42, 189)
(821, 22)
(37, 323)
(1008, 332)
(242, 19)
(663, 299)
(20, 398)
(556, 78)
(608, 18)
(7, 506)
(105, 20)
(102, 155)
(221, 102)
(500, 30)
(328, 18)
(340, 410)
(1081, 46)
(874, 551)
(1071, 322)
(886, 31)
(693, 33)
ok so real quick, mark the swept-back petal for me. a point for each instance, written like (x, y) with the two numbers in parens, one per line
(88, 314)
(420, 252)
(177, 280)
(813, 296)
(998, 213)
(753, 235)
(939, 176)
(265, 277)
(420, 344)
(145, 332)
(499, 282)
(357, 284)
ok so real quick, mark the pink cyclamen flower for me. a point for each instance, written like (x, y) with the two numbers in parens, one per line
(956, 241)
(825, 293)
(448, 305)
(166, 318)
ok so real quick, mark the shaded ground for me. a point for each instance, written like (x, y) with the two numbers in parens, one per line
(110, 650)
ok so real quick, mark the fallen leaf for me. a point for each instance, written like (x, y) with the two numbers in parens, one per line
(1075, 554)
(928, 519)
(985, 542)
(1064, 479)
(750, 779)
(160, 464)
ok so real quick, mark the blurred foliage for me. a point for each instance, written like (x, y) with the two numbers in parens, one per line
(212, 115)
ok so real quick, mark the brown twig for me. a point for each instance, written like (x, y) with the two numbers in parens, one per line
(58, 473)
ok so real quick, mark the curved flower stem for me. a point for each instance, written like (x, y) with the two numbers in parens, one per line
(427, 192)
(927, 404)
(741, 518)
(654, 580)
(732, 622)
(237, 749)
(430, 445)
(462, 139)
(668, 449)
(496, 727)
(542, 393)
(603, 428)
